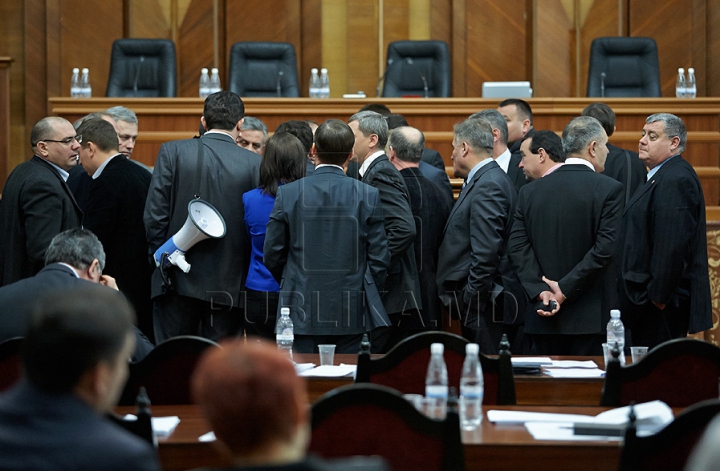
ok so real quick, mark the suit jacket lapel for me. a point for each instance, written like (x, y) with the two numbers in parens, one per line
(464, 192)
(649, 184)
(42, 161)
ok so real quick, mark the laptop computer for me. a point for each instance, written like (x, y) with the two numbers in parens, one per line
(506, 90)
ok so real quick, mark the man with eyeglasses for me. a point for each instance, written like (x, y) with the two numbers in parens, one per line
(36, 202)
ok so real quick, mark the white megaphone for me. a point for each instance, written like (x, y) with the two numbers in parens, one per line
(203, 222)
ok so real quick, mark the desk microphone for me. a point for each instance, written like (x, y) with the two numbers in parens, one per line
(412, 64)
(381, 79)
(137, 75)
(602, 84)
(279, 81)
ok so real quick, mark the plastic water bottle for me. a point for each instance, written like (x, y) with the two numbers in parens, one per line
(284, 331)
(85, 87)
(616, 333)
(436, 382)
(314, 90)
(204, 83)
(680, 84)
(324, 83)
(691, 90)
(215, 81)
(75, 91)
(472, 389)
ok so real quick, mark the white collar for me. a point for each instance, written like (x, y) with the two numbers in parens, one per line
(503, 160)
(579, 161)
(368, 161)
(102, 167)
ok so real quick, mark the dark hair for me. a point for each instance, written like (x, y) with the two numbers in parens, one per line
(602, 113)
(549, 141)
(284, 161)
(71, 332)
(223, 110)
(523, 108)
(408, 143)
(396, 120)
(334, 141)
(76, 247)
(99, 131)
(378, 108)
(299, 129)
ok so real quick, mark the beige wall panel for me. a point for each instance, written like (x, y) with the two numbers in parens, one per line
(712, 79)
(195, 47)
(11, 45)
(150, 18)
(362, 47)
(555, 46)
(598, 20)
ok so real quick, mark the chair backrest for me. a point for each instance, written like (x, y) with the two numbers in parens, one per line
(409, 62)
(405, 366)
(142, 68)
(679, 372)
(630, 66)
(10, 362)
(669, 448)
(367, 419)
(257, 69)
(165, 373)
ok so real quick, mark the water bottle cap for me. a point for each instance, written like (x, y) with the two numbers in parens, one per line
(284, 311)
(681, 70)
(615, 314)
(314, 70)
(76, 70)
(214, 70)
(204, 70)
(86, 70)
(323, 70)
(691, 70)
(472, 349)
(437, 349)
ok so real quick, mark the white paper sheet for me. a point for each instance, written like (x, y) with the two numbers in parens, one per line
(521, 417)
(573, 364)
(573, 372)
(560, 431)
(208, 437)
(530, 361)
(300, 367)
(163, 426)
(331, 371)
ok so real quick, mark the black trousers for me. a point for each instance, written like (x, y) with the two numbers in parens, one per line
(175, 315)
(261, 313)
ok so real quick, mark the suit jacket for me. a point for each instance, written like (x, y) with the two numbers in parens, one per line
(430, 208)
(311, 463)
(439, 178)
(569, 239)
(433, 157)
(402, 287)
(663, 244)
(514, 172)
(475, 240)
(616, 166)
(41, 431)
(115, 214)
(79, 182)
(324, 237)
(228, 171)
(36, 206)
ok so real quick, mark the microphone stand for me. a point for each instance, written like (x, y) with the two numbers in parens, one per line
(425, 85)
(137, 75)
(602, 84)
(279, 81)
(381, 79)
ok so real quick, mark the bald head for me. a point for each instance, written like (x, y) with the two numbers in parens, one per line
(406, 144)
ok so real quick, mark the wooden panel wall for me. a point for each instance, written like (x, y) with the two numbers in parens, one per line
(11, 45)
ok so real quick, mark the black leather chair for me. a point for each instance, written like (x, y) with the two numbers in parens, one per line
(630, 67)
(142, 68)
(263, 69)
(418, 68)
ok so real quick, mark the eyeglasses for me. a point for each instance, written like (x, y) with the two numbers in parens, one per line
(67, 141)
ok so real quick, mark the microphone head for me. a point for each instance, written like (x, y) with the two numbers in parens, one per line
(390, 61)
(602, 75)
(409, 60)
(280, 73)
(142, 58)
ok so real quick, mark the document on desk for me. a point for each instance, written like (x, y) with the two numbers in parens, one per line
(574, 372)
(331, 371)
(531, 361)
(162, 426)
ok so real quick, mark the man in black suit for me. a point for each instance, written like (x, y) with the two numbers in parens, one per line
(665, 285)
(563, 242)
(36, 202)
(74, 368)
(519, 119)
(401, 297)
(218, 171)
(431, 208)
(115, 213)
(324, 237)
(469, 275)
(622, 165)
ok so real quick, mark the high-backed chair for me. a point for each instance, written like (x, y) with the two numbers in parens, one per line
(418, 68)
(669, 448)
(404, 367)
(165, 373)
(623, 67)
(142, 68)
(679, 372)
(10, 362)
(367, 419)
(263, 69)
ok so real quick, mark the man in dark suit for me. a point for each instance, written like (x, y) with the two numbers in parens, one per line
(665, 285)
(430, 207)
(36, 203)
(519, 119)
(468, 274)
(401, 297)
(115, 213)
(303, 131)
(218, 171)
(324, 237)
(74, 368)
(563, 242)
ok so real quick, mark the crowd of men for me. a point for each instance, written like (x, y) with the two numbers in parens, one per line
(548, 234)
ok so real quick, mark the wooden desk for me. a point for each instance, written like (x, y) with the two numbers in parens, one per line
(491, 447)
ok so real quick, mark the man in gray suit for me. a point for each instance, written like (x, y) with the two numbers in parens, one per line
(218, 171)
(324, 238)
(469, 276)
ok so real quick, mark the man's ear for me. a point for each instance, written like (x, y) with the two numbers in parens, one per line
(204, 124)
(239, 124)
(313, 150)
(374, 139)
(90, 271)
(526, 126)
(42, 148)
(496, 135)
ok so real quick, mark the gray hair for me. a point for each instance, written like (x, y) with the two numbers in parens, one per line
(76, 247)
(673, 127)
(408, 143)
(120, 113)
(370, 122)
(477, 133)
(253, 124)
(495, 120)
(95, 115)
(579, 133)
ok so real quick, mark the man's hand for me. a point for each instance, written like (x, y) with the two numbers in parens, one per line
(109, 281)
(546, 297)
(555, 288)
